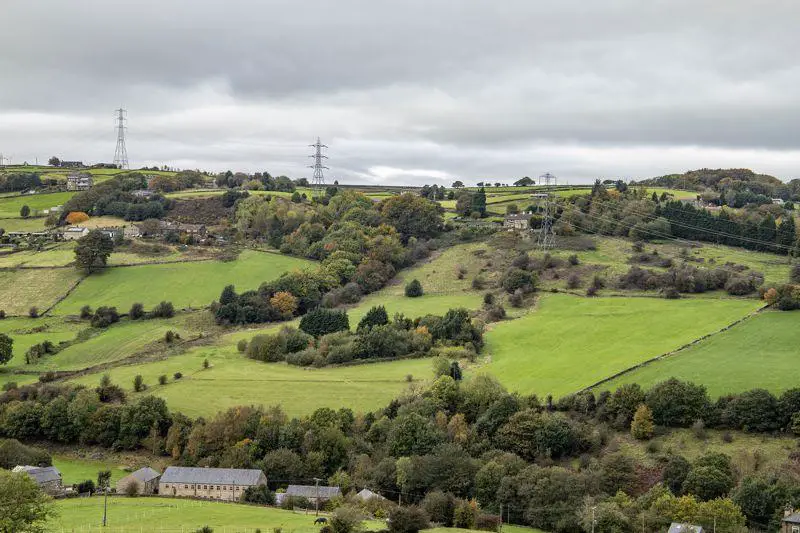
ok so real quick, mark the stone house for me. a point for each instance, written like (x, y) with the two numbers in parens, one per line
(131, 231)
(310, 493)
(145, 479)
(518, 222)
(366, 495)
(74, 233)
(790, 522)
(227, 484)
(79, 182)
(677, 527)
(48, 478)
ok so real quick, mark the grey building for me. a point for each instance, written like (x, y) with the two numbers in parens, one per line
(311, 492)
(226, 484)
(48, 478)
(145, 479)
(676, 527)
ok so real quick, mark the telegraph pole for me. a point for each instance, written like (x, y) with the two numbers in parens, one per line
(547, 239)
(593, 520)
(318, 180)
(316, 487)
(105, 506)
(121, 153)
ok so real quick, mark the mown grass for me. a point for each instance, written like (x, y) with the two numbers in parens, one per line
(21, 289)
(74, 470)
(568, 342)
(760, 352)
(30, 332)
(192, 284)
(10, 206)
(22, 224)
(156, 514)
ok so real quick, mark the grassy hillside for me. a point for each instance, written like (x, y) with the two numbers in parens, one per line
(568, 343)
(193, 284)
(761, 352)
(10, 206)
(21, 289)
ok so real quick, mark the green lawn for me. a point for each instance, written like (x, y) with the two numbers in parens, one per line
(21, 289)
(156, 514)
(75, 470)
(10, 206)
(235, 380)
(760, 352)
(22, 224)
(568, 343)
(55, 255)
(194, 284)
(29, 332)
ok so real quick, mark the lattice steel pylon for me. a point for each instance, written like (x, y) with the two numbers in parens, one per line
(121, 153)
(547, 239)
(318, 180)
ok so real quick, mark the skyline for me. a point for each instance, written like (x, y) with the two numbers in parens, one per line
(412, 93)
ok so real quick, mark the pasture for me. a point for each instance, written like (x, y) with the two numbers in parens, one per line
(10, 206)
(567, 343)
(22, 224)
(191, 284)
(22, 289)
(74, 470)
(760, 352)
(157, 514)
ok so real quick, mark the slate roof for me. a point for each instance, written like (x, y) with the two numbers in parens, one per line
(366, 494)
(45, 474)
(675, 527)
(793, 518)
(310, 491)
(520, 216)
(217, 476)
(144, 474)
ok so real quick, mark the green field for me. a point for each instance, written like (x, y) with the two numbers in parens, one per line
(10, 206)
(568, 343)
(77, 470)
(22, 224)
(155, 514)
(27, 332)
(192, 284)
(21, 289)
(60, 254)
(760, 352)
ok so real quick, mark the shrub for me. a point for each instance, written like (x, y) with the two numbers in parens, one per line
(488, 522)
(516, 278)
(104, 317)
(260, 494)
(136, 312)
(177, 375)
(162, 379)
(478, 282)
(414, 289)
(2, 314)
(642, 424)
(488, 298)
(241, 346)
(591, 291)
(495, 313)
(376, 316)
(346, 519)
(794, 276)
(671, 293)
(573, 260)
(407, 520)
(573, 281)
(163, 310)
(138, 383)
(322, 321)
(33, 312)
(268, 348)
(517, 298)
(86, 312)
(206, 364)
(699, 429)
(170, 336)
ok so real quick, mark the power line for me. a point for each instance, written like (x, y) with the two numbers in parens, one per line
(318, 180)
(121, 153)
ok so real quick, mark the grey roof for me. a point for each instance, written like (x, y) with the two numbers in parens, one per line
(366, 494)
(219, 476)
(675, 527)
(144, 474)
(46, 474)
(520, 216)
(310, 491)
(793, 518)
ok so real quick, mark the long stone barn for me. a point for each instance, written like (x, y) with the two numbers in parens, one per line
(226, 484)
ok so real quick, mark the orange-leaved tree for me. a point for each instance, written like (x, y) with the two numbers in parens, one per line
(76, 217)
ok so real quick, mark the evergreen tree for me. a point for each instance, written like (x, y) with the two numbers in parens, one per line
(787, 234)
(479, 202)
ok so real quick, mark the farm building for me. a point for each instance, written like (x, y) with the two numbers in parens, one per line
(520, 221)
(226, 484)
(48, 478)
(790, 522)
(131, 231)
(310, 492)
(145, 479)
(366, 494)
(676, 527)
(74, 233)
(79, 182)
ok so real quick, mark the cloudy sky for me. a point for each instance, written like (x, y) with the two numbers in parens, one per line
(409, 91)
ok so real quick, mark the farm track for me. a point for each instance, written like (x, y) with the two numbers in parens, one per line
(676, 351)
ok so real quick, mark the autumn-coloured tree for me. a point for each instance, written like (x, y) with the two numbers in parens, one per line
(771, 296)
(285, 302)
(76, 217)
(642, 425)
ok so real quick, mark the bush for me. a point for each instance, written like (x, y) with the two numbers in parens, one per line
(488, 299)
(260, 494)
(495, 313)
(2, 314)
(138, 383)
(488, 522)
(162, 379)
(414, 289)
(573, 260)
(517, 298)
(573, 281)
(86, 312)
(516, 278)
(136, 312)
(13, 453)
(322, 321)
(163, 310)
(267, 348)
(206, 364)
(177, 375)
(104, 317)
(794, 275)
(346, 519)
(642, 424)
(33, 312)
(376, 316)
(241, 346)
(408, 520)
(170, 336)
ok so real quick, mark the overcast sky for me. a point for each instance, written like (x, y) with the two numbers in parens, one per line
(410, 91)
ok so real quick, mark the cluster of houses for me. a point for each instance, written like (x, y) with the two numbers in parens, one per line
(79, 181)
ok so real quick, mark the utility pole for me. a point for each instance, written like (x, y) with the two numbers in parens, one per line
(316, 500)
(318, 180)
(501, 518)
(105, 506)
(547, 239)
(121, 153)
(593, 520)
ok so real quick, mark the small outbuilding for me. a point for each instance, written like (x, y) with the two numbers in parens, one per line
(145, 480)
(676, 527)
(790, 522)
(310, 493)
(48, 478)
(366, 494)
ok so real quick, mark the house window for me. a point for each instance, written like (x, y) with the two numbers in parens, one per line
(205, 487)
(795, 529)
